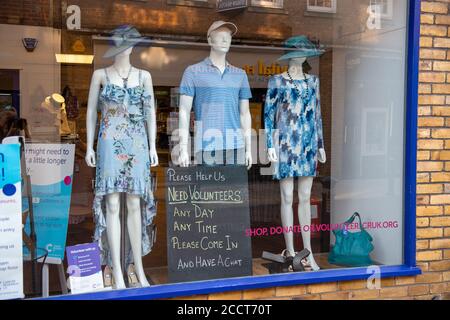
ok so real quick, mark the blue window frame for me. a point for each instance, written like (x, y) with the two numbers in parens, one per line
(408, 268)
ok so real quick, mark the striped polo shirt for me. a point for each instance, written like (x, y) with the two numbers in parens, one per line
(216, 104)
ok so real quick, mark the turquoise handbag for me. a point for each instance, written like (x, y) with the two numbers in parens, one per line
(351, 249)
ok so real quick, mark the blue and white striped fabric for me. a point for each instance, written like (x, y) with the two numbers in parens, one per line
(216, 104)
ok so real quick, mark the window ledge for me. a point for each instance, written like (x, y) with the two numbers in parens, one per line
(245, 283)
(191, 3)
(266, 10)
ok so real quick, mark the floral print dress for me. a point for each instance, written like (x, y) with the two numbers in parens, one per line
(123, 161)
(293, 125)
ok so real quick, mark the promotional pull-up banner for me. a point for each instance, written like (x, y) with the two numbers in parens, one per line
(11, 263)
(50, 167)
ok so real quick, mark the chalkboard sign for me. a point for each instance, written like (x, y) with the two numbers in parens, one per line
(207, 215)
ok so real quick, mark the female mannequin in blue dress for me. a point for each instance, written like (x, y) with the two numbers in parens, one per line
(305, 180)
(137, 87)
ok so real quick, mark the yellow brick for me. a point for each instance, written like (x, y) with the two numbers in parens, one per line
(424, 266)
(440, 244)
(440, 133)
(437, 31)
(447, 166)
(405, 280)
(429, 166)
(428, 99)
(447, 232)
(446, 276)
(427, 233)
(429, 255)
(432, 77)
(441, 111)
(431, 122)
(425, 65)
(322, 287)
(335, 296)
(422, 244)
(441, 88)
(440, 177)
(440, 155)
(446, 254)
(429, 144)
(447, 144)
(439, 265)
(438, 43)
(441, 66)
(422, 199)
(387, 282)
(434, 7)
(364, 294)
(429, 277)
(422, 177)
(424, 133)
(440, 199)
(290, 291)
(418, 290)
(426, 42)
(427, 19)
(352, 285)
(429, 211)
(393, 292)
(422, 222)
(440, 221)
(447, 210)
(441, 19)
(438, 287)
(234, 295)
(424, 111)
(429, 188)
(259, 294)
(424, 88)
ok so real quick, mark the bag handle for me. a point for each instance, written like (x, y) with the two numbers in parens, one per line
(352, 218)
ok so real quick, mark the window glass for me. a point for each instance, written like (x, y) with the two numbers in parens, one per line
(214, 145)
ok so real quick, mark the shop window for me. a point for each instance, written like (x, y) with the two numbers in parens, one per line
(329, 121)
(278, 4)
(327, 6)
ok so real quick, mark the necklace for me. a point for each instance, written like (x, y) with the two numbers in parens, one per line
(125, 80)
(297, 88)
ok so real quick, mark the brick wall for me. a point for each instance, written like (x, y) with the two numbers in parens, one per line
(433, 188)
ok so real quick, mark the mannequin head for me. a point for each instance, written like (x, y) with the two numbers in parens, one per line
(125, 53)
(220, 40)
(299, 65)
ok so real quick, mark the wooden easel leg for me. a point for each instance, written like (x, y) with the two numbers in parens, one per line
(62, 278)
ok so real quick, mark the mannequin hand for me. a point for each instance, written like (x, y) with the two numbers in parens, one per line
(90, 158)
(183, 159)
(153, 157)
(272, 155)
(322, 156)
(248, 159)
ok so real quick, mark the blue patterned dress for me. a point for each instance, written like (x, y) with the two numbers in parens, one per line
(123, 160)
(293, 124)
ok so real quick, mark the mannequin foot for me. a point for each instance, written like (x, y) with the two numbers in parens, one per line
(312, 263)
(136, 278)
(118, 281)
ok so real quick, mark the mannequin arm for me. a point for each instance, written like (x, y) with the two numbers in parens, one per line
(184, 122)
(270, 108)
(151, 119)
(91, 116)
(246, 125)
(322, 155)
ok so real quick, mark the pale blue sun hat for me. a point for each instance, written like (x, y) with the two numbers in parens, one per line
(122, 38)
(301, 47)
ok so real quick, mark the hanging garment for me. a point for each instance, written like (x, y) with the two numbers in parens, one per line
(293, 109)
(123, 161)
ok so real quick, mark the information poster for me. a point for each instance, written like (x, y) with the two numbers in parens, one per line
(11, 263)
(85, 272)
(207, 215)
(50, 167)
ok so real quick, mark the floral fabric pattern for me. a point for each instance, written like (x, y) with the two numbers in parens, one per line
(123, 161)
(293, 124)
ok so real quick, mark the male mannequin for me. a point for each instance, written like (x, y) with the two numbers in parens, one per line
(296, 75)
(235, 82)
(101, 78)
